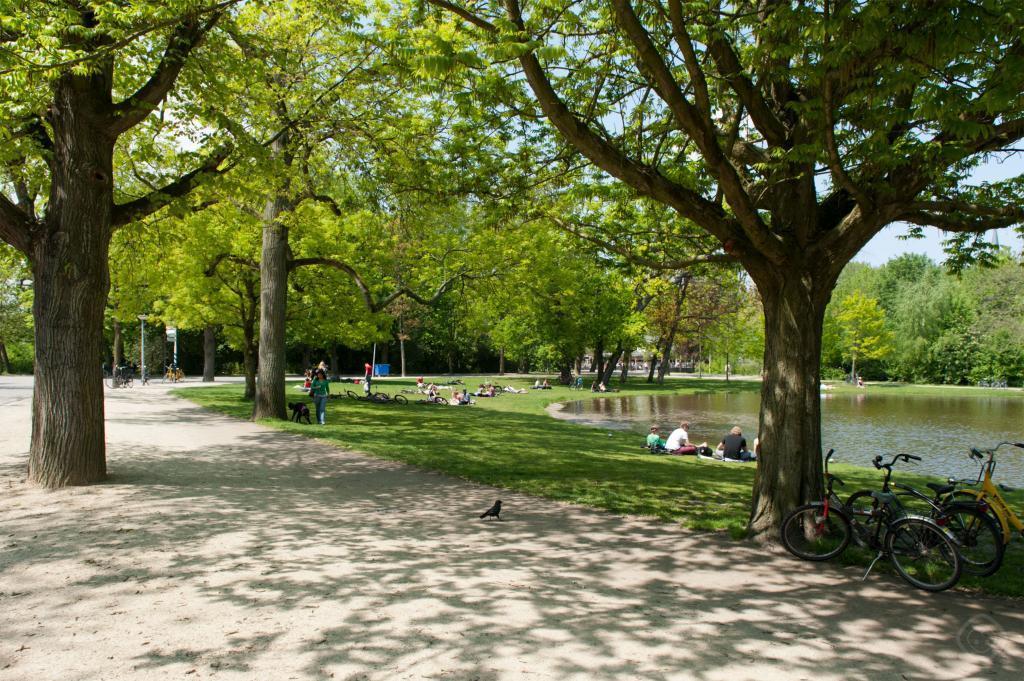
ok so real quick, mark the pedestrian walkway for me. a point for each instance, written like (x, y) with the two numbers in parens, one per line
(223, 549)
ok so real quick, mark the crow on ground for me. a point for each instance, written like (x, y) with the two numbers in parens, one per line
(493, 511)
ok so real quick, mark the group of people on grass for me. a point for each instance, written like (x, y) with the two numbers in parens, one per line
(732, 447)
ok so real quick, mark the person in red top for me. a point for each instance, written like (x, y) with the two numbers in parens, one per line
(367, 376)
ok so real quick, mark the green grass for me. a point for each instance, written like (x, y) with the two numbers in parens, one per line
(512, 442)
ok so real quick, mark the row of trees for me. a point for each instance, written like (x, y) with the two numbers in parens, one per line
(779, 136)
(911, 320)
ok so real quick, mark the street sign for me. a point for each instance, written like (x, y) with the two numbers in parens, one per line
(172, 333)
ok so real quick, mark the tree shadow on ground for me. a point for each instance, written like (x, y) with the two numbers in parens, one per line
(273, 552)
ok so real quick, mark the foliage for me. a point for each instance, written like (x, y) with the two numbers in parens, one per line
(946, 328)
(15, 311)
(862, 328)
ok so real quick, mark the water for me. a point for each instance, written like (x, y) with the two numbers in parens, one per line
(940, 429)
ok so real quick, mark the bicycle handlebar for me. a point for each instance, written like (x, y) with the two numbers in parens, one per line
(980, 453)
(905, 457)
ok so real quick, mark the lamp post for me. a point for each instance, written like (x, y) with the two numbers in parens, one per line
(142, 348)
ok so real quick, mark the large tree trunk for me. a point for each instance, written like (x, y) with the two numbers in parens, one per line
(565, 372)
(270, 392)
(501, 362)
(789, 471)
(666, 353)
(609, 367)
(5, 361)
(598, 364)
(118, 344)
(209, 354)
(249, 352)
(71, 281)
(651, 369)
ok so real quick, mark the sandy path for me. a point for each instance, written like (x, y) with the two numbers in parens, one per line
(221, 549)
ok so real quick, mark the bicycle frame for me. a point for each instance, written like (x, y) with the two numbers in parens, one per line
(990, 495)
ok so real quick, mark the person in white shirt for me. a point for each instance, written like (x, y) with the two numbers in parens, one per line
(679, 440)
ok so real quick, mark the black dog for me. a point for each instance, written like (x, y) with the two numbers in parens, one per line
(299, 411)
(493, 511)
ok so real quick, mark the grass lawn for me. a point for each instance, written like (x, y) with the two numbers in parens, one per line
(510, 441)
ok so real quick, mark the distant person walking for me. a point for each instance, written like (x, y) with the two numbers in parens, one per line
(319, 389)
(367, 377)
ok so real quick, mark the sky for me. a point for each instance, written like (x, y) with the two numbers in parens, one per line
(887, 244)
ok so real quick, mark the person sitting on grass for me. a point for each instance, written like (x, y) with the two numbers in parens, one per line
(511, 389)
(679, 440)
(545, 385)
(536, 384)
(654, 441)
(734, 447)
(419, 385)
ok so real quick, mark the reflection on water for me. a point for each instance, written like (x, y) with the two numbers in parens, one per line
(858, 425)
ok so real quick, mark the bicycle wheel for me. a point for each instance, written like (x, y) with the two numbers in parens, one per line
(980, 539)
(441, 400)
(923, 555)
(352, 395)
(809, 535)
(401, 399)
(127, 382)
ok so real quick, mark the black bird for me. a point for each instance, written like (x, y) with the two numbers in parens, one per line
(493, 511)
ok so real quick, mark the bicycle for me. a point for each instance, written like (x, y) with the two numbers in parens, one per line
(922, 553)
(988, 495)
(978, 536)
(120, 377)
(377, 398)
(174, 374)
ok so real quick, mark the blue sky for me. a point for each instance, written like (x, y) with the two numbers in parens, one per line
(887, 243)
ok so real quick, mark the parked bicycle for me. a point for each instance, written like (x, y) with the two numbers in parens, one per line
(988, 493)
(979, 539)
(377, 398)
(921, 552)
(174, 374)
(120, 377)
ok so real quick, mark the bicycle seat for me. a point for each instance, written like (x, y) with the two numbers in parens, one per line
(939, 488)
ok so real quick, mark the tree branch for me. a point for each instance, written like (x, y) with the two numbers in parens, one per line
(364, 290)
(229, 257)
(701, 129)
(133, 210)
(15, 226)
(133, 109)
(630, 256)
(641, 177)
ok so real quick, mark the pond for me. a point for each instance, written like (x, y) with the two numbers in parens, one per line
(939, 428)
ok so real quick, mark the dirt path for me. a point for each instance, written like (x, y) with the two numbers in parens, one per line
(221, 549)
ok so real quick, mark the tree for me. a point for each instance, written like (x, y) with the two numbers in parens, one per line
(864, 333)
(730, 113)
(15, 306)
(75, 80)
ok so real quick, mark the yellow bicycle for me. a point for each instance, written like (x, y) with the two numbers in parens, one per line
(174, 374)
(988, 494)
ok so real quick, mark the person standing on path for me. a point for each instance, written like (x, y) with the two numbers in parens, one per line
(319, 389)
